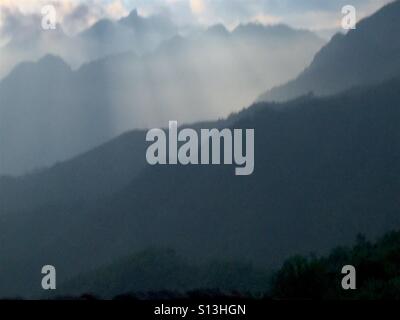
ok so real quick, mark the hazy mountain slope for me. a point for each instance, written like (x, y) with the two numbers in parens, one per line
(325, 170)
(49, 113)
(367, 55)
(84, 179)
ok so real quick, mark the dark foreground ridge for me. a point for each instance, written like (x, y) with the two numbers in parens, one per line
(300, 278)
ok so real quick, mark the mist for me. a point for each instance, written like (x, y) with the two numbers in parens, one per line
(133, 73)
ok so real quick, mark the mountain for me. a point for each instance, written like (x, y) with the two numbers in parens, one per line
(84, 179)
(200, 77)
(157, 270)
(367, 55)
(152, 25)
(31, 43)
(48, 120)
(146, 275)
(134, 33)
(325, 170)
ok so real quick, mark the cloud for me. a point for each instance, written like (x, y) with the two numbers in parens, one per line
(72, 15)
(197, 6)
(266, 19)
(15, 24)
(86, 14)
(116, 9)
(313, 14)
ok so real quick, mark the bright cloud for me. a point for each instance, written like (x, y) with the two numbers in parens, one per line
(197, 6)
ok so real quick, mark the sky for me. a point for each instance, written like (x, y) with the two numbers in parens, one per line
(75, 15)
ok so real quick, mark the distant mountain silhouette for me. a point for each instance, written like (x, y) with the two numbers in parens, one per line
(370, 54)
(133, 33)
(155, 24)
(31, 42)
(48, 115)
(325, 170)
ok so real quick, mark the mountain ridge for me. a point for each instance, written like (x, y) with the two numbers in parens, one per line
(364, 56)
(325, 170)
(72, 110)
